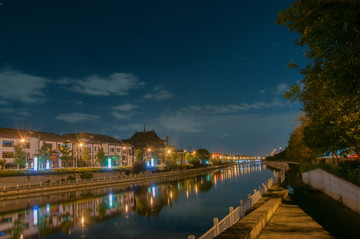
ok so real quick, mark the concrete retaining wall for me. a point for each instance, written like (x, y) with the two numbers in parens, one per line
(335, 187)
(12, 181)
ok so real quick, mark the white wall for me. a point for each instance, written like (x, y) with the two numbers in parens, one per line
(335, 187)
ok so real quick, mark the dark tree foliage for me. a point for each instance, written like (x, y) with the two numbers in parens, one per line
(329, 31)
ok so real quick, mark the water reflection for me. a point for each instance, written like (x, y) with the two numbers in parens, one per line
(86, 208)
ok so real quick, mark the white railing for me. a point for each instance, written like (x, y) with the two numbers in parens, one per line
(239, 212)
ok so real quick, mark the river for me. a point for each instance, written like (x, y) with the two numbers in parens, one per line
(172, 209)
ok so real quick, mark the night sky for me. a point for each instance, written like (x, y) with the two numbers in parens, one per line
(207, 74)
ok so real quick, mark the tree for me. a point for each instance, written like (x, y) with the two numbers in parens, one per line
(19, 155)
(100, 156)
(139, 155)
(330, 89)
(297, 150)
(86, 155)
(66, 154)
(203, 154)
(116, 159)
(44, 153)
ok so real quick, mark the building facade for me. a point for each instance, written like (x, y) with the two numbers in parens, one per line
(121, 153)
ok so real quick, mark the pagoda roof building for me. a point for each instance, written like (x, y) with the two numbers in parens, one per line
(146, 139)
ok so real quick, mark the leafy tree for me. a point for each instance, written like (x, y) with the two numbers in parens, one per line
(139, 155)
(203, 154)
(188, 157)
(330, 90)
(19, 155)
(297, 150)
(100, 156)
(44, 153)
(116, 159)
(66, 154)
(2, 163)
(86, 155)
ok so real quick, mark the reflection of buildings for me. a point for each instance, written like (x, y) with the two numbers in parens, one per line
(234, 157)
(43, 220)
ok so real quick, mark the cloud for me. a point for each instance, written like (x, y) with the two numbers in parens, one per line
(21, 87)
(4, 102)
(281, 89)
(15, 112)
(125, 107)
(232, 108)
(262, 92)
(123, 111)
(130, 127)
(180, 121)
(77, 117)
(114, 84)
(158, 93)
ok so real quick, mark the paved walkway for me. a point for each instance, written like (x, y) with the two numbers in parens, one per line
(290, 221)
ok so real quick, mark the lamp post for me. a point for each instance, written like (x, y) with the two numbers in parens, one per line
(80, 154)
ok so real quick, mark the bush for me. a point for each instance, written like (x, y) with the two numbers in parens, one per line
(86, 175)
(138, 166)
(71, 178)
(127, 172)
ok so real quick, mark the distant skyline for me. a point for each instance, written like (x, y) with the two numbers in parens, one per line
(200, 72)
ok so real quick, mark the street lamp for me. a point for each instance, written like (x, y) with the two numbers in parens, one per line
(80, 144)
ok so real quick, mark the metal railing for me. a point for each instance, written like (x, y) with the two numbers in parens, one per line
(239, 212)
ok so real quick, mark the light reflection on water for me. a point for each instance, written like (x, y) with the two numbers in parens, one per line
(173, 209)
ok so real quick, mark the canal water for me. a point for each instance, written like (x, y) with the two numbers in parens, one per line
(172, 209)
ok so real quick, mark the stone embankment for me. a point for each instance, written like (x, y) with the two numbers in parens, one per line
(41, 188)
(252, 224)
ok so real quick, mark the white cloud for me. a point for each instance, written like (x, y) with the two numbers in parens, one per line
(281, 89)
(4, 102)
(125, 107)
(114, 84)
(232, 108)
(158, 93)
(77, 117)
(180, 122)
(15, 112)
(130, 127)
(22, 87)
(123, 111)
(262, 91)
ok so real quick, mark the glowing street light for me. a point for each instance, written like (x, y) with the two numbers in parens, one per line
(22, 140)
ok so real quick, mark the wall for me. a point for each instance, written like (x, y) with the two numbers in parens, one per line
(335, 187)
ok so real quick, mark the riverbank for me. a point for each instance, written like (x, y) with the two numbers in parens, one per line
(337, 219)
(31, 189)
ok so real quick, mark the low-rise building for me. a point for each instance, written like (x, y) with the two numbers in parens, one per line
(122, 153)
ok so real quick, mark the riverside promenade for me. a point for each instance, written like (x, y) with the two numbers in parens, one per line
(276, 216)
(303, 213)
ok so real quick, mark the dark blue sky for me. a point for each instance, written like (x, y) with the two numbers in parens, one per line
(200, 72)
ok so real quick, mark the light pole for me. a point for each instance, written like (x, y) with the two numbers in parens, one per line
(80, 154)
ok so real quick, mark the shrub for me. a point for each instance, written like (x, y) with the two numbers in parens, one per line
(139, 166)
(86, 175)
(70, 178)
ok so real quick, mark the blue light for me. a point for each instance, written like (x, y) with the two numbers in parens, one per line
(109, 163)
(153, 191)
(35, 213)
(36, 164)
(47, 164)
(48, 208)
(110, 200)
(148, 163)
(152, 162)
